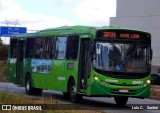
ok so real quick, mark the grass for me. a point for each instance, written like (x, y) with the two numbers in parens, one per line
(6, 98)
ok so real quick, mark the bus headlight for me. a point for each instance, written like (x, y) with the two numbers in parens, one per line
(148, 81)
(95, 78)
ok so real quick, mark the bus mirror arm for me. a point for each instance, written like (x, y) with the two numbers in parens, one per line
(92, 47)
(93, 58)
(151, 55)
(92, 51)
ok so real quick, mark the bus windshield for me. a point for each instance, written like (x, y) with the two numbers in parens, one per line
(122, 57)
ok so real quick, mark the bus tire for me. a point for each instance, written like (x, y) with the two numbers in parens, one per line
(66, 95)
(28, 85)
(121, 101)
(37, 91)
(73, 96)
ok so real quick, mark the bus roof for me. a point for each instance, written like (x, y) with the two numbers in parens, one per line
(66, 30)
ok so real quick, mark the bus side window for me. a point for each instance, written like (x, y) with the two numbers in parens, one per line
(60, 48)
(30, 42)
(72, 47)
(48, 49)
(13, 48)
(39, 47)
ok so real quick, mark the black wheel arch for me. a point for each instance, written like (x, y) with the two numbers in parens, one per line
(69, 81)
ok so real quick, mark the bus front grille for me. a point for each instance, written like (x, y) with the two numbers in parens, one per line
(123, 84)
(116, 91)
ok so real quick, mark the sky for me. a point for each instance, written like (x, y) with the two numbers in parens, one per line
(42, 14)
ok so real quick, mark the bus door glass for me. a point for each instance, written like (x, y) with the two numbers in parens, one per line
(19, 64)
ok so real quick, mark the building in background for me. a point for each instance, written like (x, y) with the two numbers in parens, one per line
(142, 15)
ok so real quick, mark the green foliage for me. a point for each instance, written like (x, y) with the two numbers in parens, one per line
(3, 51)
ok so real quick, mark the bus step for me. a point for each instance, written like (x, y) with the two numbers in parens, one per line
(81, 93)
(18, 85)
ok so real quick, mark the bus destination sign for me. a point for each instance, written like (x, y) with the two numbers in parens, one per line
(121, 35)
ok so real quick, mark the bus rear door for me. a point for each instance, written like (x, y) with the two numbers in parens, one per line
(19, 64)
(11, 75)
(15, 61)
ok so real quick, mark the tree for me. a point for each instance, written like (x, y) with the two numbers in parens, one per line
(1, 42)
(3, 50)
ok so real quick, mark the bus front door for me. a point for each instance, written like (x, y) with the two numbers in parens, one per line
(84, 63)
(19, 64)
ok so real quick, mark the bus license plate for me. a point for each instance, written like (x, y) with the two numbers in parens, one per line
(123, 90)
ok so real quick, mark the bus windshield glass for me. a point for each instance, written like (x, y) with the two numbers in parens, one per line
(122, 57)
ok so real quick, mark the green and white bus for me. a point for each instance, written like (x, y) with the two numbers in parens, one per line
(83, 61)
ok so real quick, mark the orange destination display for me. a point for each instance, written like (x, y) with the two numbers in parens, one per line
(110, 34)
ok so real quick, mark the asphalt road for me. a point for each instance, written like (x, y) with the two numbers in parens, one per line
(100, 103)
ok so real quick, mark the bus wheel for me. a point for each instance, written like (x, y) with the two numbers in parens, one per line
(28, 85)
(66, 95)
(37, 91)
(121, 101)
(73, 96)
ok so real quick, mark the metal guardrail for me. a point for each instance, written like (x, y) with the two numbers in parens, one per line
(155, 87)
(155, 92)
(3, 62)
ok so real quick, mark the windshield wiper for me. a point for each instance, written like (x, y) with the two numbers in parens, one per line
(116, 49)
(131, 51)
